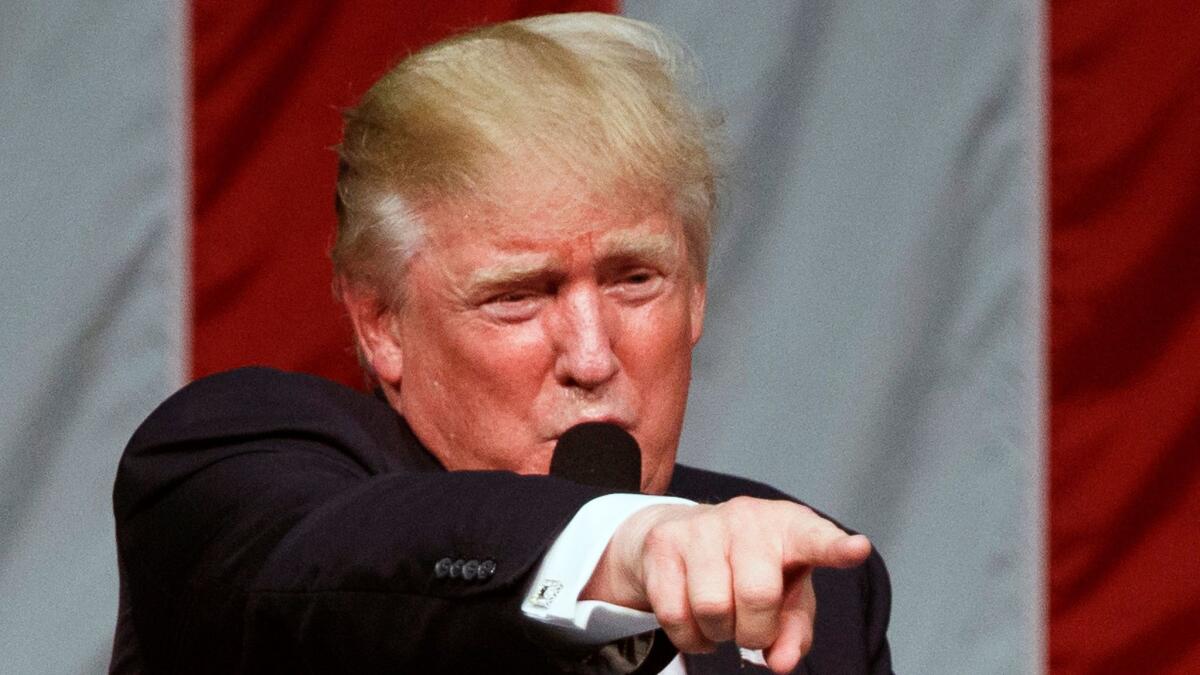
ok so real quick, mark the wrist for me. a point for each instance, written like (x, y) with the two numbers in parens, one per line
(618, 578)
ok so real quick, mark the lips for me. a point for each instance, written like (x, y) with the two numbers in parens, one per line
(621, 421)
(556, 415)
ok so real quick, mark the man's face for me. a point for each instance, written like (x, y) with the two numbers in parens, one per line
(524, 320)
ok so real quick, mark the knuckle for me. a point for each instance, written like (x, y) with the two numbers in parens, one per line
(672, 618)
(656, 537)
(744, 507)
(712, 608)
(658, 561)
(758, 597)
(742, 501)
(803, 510)
(659, 543)
(660, 570)
(667, 534)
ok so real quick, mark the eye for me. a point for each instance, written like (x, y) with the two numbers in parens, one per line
(640, 283)
(515, 305)
(513, 297)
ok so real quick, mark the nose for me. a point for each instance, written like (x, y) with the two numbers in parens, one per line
(584, 340)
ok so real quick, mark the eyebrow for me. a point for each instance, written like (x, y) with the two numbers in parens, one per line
(639, 246)
(512, 272)
(534, 267)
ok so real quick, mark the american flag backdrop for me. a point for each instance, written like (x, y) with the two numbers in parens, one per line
(954, 298)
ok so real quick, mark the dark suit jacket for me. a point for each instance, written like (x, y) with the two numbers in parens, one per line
(276, 522)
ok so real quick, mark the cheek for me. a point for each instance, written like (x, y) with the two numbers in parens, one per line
(475, 372)
(505, 370)
(496, 367)
(657, 342)
(659, 363)
(506, 350)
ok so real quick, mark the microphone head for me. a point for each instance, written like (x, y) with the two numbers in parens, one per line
(600, 454)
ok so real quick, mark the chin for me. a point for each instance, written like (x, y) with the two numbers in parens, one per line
(656, 478)
(536, 461)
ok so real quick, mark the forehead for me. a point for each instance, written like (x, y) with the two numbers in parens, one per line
(551, 215)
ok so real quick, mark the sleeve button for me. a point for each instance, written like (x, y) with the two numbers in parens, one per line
(470, 570)
(456, 569)
(486, 569)
(442, 569)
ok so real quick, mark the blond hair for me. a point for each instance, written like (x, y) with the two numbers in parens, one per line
(596, 97)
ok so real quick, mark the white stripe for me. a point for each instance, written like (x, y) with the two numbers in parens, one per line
(92, 185)
(179, 126)
(873, 341)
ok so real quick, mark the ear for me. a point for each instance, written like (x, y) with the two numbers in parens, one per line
(697, 303)
(375, 331)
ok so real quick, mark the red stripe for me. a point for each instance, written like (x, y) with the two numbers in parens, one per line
(1125, 323)
(269, 78)
(1125, 337)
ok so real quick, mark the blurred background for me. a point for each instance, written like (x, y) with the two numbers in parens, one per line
(954, 297)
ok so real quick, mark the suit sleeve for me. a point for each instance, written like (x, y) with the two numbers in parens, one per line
(878, 602)
(252, 548)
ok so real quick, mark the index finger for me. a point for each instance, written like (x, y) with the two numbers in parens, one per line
(813, 540)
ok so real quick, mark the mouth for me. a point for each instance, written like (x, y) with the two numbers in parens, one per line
(613, 410)
(615, 420)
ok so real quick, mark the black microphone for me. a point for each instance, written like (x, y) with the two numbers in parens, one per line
(600, 454)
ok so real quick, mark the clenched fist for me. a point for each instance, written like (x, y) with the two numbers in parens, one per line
(740, 570)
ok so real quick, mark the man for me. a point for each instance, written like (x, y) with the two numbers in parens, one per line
(523, 235)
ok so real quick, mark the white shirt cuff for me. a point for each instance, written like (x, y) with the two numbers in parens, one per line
(567, 567)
